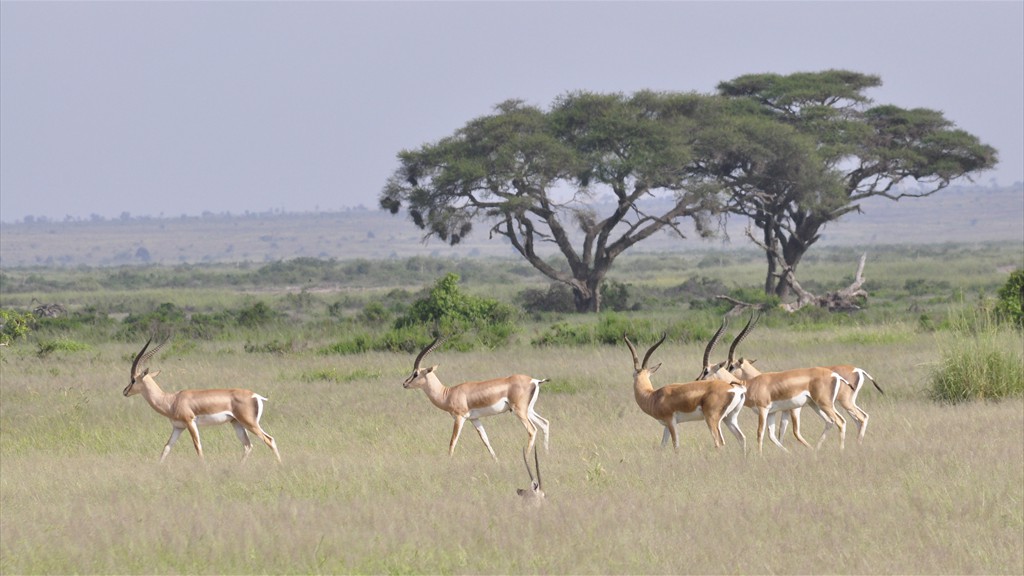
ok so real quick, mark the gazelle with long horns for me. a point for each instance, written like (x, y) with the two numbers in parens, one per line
(189, 409)
(846, 396)
(474, 400)
(771, 392)
(713, 401)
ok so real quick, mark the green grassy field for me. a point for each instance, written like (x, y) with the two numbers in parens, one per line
(366, 485)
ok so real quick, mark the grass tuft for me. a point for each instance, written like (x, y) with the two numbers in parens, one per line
(982, 362)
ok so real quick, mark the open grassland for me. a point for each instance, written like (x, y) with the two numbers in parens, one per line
(366, 485)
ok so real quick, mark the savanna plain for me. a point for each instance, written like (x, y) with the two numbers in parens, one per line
(366, 485)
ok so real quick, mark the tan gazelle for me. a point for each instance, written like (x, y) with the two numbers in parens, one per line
(189, 409)
(772, 392)
(474, 400)
(846, 396)
(713, 401)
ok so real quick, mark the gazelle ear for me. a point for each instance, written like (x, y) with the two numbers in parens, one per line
(752, 360)
(153, 374)
(654, 369)
(431, 369)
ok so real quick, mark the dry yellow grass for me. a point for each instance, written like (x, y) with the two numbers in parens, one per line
(366, 485)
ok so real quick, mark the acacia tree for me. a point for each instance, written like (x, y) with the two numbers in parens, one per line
(831, 150)
(575, 177)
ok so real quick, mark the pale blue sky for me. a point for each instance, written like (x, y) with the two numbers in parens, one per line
(184, 107)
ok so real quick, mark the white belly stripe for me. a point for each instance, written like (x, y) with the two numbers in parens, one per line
(212, 419)
(496, 408)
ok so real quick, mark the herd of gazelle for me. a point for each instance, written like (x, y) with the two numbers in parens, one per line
(717, 397)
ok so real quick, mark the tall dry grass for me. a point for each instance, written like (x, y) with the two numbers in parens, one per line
(366, 485)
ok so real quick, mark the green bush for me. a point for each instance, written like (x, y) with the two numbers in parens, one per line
(13, 325)
(1010, 305)
(452, 311)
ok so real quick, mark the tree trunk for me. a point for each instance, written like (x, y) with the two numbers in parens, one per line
(586, 293)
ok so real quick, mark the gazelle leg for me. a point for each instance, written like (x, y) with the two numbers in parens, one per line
(795, 417)
(267, 438)
(829, 415)
(673, 432)
(762, 418)
(665, 437)
(483, 436)
(860, 417)
(193, 430)
(730, 421)
(772, 417)
(862, 423)
(714, 422)
(175, 432)
(531, 430)
(243, 438)
(459, 421)
(543, 424)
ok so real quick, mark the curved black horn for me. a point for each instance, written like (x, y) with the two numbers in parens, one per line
(743, 334)
(527, 463)
(632, 350)
(430, 348)
(536, 463)
(652, 349)
(135, 363)
(713, 343)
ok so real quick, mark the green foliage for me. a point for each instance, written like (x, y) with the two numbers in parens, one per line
(167, 316)
(452, 310)
(14, 325)
(557, 298)
(408, 340)
(336, 376)
(979, 364)
(1010, 305)
(609, 328)
(255, 315)
(272, 347)
(47, 347)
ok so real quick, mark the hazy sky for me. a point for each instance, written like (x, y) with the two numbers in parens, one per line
(185, 107)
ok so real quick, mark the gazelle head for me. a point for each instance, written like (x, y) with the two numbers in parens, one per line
(641, 368)
(535, 493)
(138, 373)
(418, 378)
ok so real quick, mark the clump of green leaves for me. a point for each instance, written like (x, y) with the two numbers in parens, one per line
(454, 311)
(13, 325)
(1010, 304)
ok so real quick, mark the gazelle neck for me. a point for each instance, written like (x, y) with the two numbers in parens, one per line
(436, 391)
(642, 387)
(157, 398)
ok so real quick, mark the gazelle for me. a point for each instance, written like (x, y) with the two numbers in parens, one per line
(846, 396)
(713, 401)
(474, 400)
(771, 392)
(535, 493)
(189, 409)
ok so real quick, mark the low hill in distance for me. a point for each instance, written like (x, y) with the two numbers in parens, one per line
(959, 215)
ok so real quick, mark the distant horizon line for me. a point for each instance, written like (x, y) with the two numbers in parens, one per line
(125, 216)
